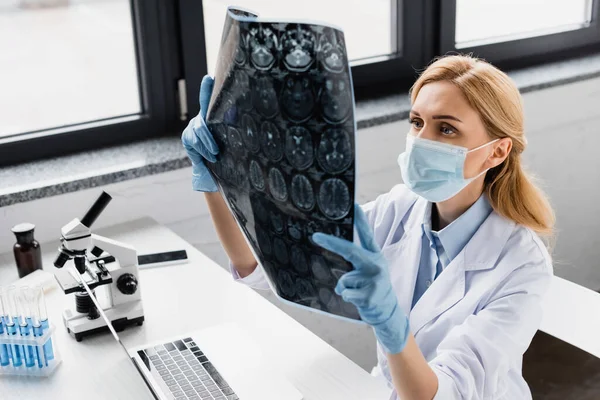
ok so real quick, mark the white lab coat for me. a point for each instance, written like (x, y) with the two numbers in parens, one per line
(478, 317)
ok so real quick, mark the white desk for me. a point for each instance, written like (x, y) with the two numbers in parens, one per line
(180, 299)
(571, 314)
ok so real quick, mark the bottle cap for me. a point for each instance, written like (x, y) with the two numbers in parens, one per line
(25, 227)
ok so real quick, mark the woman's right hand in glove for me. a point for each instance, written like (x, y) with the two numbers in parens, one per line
(199, 143)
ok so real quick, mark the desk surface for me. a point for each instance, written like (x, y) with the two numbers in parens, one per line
(570, 313)
(190, 296)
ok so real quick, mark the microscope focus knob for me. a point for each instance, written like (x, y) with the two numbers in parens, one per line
(127, 284)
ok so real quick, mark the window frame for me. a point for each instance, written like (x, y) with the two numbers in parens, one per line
(157, 56)
(523, 52)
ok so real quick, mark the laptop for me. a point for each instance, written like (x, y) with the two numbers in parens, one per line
(217, 363)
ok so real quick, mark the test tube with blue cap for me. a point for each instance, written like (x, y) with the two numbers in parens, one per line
(36, 325)
(10, 311)
(45, 324)
(24, 325)
(4, 354)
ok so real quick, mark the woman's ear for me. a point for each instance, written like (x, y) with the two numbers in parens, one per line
(502, 149)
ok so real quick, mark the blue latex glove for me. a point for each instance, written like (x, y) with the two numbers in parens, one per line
(199, 143)
(368, 286)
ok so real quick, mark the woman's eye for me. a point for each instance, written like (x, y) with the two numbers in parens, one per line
(446, 130)
(416, 123)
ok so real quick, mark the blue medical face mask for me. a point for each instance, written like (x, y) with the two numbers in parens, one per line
(435, 170)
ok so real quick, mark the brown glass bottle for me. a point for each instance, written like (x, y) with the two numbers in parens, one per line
(28, 254)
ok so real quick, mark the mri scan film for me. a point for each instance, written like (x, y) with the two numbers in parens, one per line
(282, 114)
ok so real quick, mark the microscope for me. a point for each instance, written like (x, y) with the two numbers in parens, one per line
(100, 262)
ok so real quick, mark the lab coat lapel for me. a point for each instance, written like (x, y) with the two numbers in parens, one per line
(409, 254)
(480, 253)
(446, 290)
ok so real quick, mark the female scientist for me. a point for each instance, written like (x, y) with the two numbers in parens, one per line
(451, 271)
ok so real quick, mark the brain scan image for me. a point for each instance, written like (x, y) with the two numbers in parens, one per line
(335, 100)
(338, 232)
(277, 185)
(337, 273)
(263, 241)
(241, 176)
(261, 215)
(321, 270)
(332, 52)
(236, 145)
(282, 116)
(269, 268)
(298, 46)
(250, 133)
(220, 132)
(295, 229)
(303, 196)
(335, 151)
(277, 222)
(241, 84)
(334, 198)
(299, 147)
(298, 260)
(313, 227)
(257, 178)
(329, 299)
(231, 111)
(297, 98)
(263, 44)
(228, 169)
(280, 251)
(264, 97)
(305, 290)
(271, 141)
(286, 284)
(240, 57)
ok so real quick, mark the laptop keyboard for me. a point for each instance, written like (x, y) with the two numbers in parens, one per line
(187, 371)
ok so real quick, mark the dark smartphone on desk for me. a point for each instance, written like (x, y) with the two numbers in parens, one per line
(162, 259)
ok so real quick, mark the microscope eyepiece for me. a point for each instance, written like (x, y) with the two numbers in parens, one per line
(61, 259)
(96, 209)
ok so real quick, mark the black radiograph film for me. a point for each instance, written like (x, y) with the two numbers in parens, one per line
(282, 115)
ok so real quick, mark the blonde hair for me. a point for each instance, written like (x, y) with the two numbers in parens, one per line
(495, 97)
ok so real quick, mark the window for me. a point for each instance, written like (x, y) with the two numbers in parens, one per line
(80, 74)
(66, 65)
(385, 39)
(492, 21)
(369, 37)
(515, 33)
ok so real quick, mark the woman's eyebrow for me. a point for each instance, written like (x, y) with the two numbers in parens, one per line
(416, 113)
(446, 117)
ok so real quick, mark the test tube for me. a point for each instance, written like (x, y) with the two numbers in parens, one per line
(16, 350)
(36, 326)
(24, 327)
(4, 357)
(48, 351)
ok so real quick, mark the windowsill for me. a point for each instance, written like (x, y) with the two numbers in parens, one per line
(39, 179)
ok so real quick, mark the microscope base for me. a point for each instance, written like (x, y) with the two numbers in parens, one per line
(79, 325)
(118, 324)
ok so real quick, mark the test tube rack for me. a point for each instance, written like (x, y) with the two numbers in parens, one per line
(39, 349)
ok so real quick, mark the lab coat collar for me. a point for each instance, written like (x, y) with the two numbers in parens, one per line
(480, 253)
